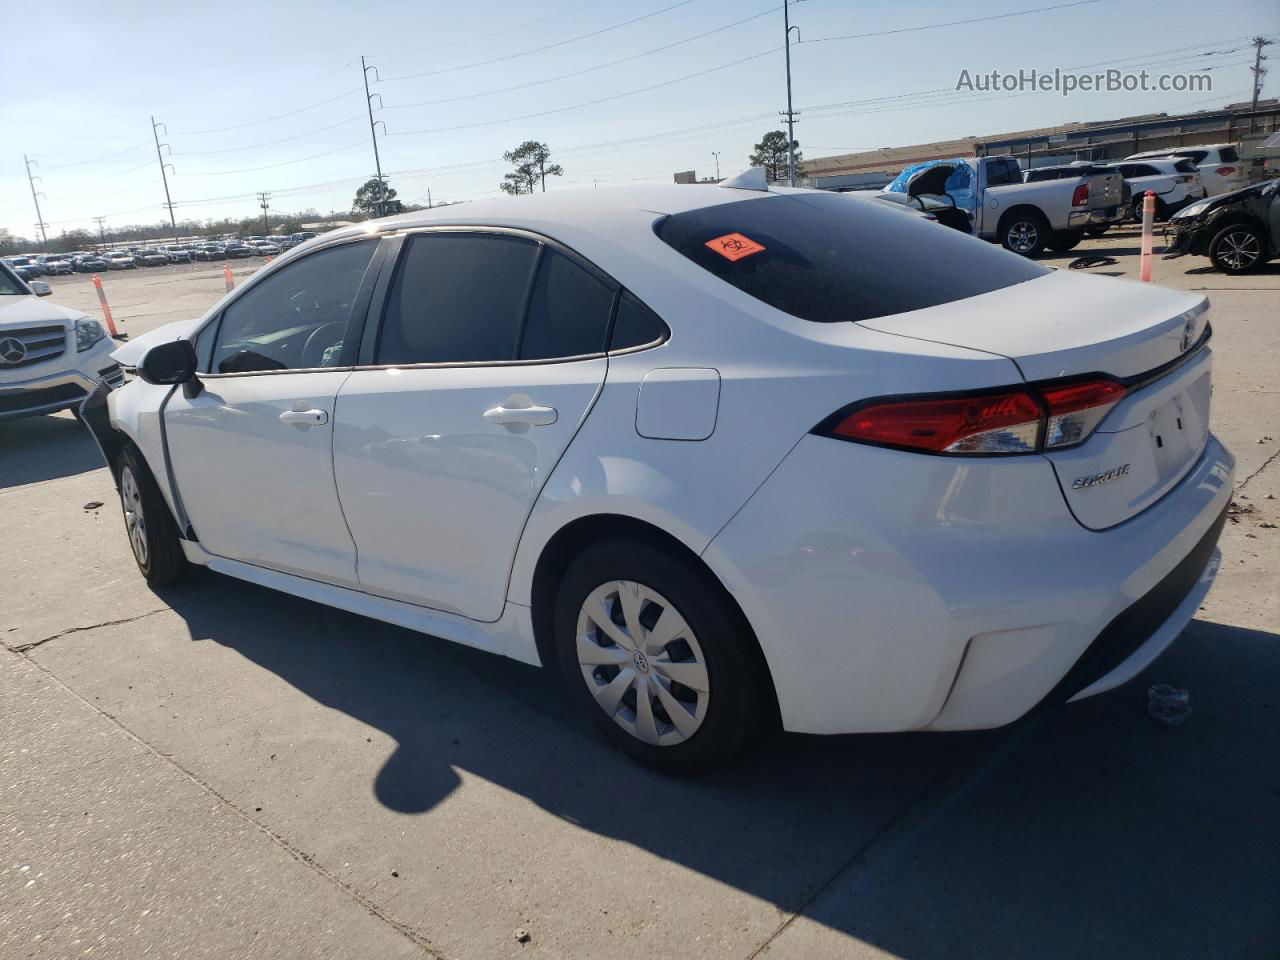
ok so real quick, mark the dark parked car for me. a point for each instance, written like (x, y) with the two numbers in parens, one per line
(210, 252)
(89, 263)
(236, 250)
(1238, 231)
(150, 258)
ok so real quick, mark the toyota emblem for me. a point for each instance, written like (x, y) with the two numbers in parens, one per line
(12, 350)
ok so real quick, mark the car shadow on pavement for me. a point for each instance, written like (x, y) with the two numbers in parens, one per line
(1084, 830)
(33, 449)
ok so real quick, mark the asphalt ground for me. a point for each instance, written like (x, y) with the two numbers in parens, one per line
(217, 770)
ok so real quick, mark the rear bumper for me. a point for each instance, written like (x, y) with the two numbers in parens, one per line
(890, 594)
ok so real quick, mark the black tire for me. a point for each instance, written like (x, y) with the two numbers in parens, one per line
(1024, 232)
(1097, 229)
(155, 541)
(1238, 248)
(1064, 240)
(739, 700)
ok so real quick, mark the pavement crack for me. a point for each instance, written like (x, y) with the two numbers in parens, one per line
(24, 647)
(1265, 463)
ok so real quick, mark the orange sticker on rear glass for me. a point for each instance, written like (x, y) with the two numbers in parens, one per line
(734, 246)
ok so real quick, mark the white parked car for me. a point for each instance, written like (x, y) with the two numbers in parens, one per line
(1219, 165)
(51, 357)
(1174, 181)
(711, 450)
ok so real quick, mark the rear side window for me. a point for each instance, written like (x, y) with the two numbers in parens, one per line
(1185, 166)
(1195, 156)
(568, 312)
(457, 298)
(834, 257)
(1229, 155)
(636, 325)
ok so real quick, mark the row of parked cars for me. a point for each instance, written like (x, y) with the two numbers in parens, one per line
(31, 266)
(1055, 207)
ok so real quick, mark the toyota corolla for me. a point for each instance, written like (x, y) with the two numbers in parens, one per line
(725, 456)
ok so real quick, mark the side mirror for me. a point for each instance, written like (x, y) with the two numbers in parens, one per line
(172, 362)
(40, 288)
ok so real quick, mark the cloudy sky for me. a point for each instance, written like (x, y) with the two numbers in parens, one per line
(268, 96)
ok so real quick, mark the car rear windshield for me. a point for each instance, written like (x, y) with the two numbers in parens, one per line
(834, 257)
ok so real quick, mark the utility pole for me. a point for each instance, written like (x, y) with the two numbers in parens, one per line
(35, 198)
(1259, 71)
(373, 132)
(790, 114)
(168, 201)
(716, 154)
(428, 198)
(102, 230)
(264, 201)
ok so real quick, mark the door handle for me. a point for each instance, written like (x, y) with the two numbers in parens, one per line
(525, 416)
(305, 418)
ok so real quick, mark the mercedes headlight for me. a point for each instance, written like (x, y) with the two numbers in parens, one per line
(88, 332)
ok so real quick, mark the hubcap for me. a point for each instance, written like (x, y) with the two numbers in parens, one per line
(642, 663)
(1023, 236)
(135, 520)
(1239, 250)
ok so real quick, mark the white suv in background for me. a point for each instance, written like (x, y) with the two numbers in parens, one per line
(51, 357)
(1175, 182)
(1218, 164)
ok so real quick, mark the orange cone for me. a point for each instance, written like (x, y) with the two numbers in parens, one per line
(106, 310)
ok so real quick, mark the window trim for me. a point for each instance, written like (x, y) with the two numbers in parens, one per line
(373, 330)
(359, 310)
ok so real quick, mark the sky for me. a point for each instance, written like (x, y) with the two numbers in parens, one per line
(268, 96)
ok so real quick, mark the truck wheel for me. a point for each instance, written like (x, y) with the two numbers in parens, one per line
(1024, 233)
(1064, 240)
(153, 534)
(1237, 248)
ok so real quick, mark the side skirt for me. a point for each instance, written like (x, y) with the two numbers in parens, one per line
(510, 636)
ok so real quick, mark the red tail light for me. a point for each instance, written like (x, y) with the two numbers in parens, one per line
(1081, 196)
(1225, 171)
(1030, 420)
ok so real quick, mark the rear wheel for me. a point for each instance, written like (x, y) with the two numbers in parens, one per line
(1237, 248)
(153, 534)
(1063, 240)
(1024, 233)
(654, 652)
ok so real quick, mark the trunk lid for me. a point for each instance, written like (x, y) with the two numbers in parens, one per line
(1105, 190)
(1064, 325)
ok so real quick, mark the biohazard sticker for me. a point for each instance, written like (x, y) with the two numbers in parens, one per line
(734, 246)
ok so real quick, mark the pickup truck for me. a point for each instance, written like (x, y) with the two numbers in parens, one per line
(1023, 217)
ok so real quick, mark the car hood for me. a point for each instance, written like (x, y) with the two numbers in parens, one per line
(130, 353)
(1202, 207)
(28, 311)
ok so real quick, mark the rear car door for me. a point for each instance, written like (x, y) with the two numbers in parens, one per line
(489, 354)
(252, 452)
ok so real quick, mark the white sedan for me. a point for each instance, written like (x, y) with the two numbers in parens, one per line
(727, 456)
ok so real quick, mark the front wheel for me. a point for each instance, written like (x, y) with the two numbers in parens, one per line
(1237, 249)
(654, 652)
(153, 534)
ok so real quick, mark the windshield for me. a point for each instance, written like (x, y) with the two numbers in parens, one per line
(834, 257)
(10, 285)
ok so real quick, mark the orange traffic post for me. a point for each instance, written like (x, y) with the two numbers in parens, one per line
(268, 260)
(1148, 228)
(106, 310)
(226, 275)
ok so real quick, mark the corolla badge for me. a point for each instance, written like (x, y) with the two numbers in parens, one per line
(1098, 479)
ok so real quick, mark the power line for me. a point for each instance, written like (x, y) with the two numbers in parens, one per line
(552, 46)
(109, 156)
(278, 116)
(273, 166)
(272, 143)
(577, 73)
(510, 29)
(953, 23)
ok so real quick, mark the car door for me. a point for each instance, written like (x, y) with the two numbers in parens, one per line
(252, 451)
(489, 354)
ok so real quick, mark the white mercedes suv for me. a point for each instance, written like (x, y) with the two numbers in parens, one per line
(725, 455)
(51, 357)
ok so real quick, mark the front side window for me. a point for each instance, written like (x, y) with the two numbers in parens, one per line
(457, 298)
(836, 257)
(298, 317)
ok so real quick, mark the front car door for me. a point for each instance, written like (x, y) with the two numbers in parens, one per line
(252, 452)
(489, 354)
